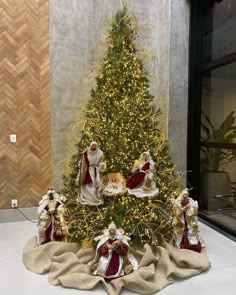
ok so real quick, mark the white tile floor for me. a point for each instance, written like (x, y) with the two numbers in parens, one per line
(16, 280)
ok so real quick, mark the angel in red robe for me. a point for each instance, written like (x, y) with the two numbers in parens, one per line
(112, 258)
(141, 182)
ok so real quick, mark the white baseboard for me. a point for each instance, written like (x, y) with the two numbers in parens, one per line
(13, 215)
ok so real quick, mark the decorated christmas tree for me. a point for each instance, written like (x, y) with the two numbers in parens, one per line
(122, 119)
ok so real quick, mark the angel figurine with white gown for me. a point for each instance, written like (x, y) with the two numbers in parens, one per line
(141, 182)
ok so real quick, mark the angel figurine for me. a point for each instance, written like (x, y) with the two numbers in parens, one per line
(112, 258)
(141, 182)
(185, 223)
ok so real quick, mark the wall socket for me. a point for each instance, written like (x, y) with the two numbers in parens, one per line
(14, 203)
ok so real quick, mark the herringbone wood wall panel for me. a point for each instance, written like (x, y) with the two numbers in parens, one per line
(25, 166)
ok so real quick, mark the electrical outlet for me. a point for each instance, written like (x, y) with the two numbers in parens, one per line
(14, 203)
(13, 138)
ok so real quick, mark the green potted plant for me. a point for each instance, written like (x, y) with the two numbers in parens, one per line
(214, 178)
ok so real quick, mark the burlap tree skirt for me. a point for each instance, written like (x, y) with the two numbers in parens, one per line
(69, 265)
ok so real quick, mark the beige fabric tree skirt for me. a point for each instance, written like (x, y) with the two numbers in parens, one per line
(69, 265)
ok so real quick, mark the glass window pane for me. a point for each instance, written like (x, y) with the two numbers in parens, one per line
(215, 183)
(219, 105)
(218, 145)
(218, 29)
(218, 191)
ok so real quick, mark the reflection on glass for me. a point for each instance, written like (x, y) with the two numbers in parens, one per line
(218, 189)
(218, 30)
(219, 105)
(216, 159)
(218, 177)
(218, 145)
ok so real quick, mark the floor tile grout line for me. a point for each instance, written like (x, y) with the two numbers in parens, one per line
(193, 287)
(3, 228)
(221, 267)
(17, 222)
(10, 255)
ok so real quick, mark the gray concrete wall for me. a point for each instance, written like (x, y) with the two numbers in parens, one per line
(178, 82)
(75, 29)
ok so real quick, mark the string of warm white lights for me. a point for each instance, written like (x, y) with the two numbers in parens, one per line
(120, 116)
